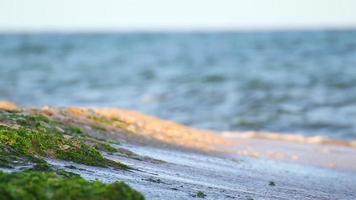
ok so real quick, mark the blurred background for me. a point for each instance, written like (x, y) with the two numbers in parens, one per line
(283, 66)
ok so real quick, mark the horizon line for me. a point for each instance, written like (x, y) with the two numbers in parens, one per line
(181, 29)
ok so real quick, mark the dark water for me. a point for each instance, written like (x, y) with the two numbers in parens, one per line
(299, 82)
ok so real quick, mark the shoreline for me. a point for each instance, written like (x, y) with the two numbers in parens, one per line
(169, 160)
(138, 128)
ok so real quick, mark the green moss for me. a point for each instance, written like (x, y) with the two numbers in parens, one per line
(129, 154)
(33, 121)
(99, 128)
(102, 146)
(37, 135)
(75, 130)
(26, 138)
(201, 194)
(32, 142)
(31, 185)
(100, 119)
(119, 123)
(10, 158)
(107, 121)
(41, 165)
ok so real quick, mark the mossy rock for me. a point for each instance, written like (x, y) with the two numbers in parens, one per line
(37, 135)
(31, 185)
(26, 139)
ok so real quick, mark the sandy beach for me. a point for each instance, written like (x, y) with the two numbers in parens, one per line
(172, 161)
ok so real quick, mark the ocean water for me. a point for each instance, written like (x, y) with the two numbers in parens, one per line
(296, 82)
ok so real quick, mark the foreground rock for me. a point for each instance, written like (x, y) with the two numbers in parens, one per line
(57, 186)
(28, 140)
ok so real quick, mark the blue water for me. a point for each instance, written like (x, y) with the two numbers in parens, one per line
(297, 82)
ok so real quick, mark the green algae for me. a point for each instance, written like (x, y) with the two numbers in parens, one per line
(99, 128)
(100, 119)
(113, 121)
(32, 185)
(10, 158)
(26, 139)
(102, 146)
(129, 154)
(75, 130)
(201, 194)
(37, 135)
(33, 142)
(119, 123)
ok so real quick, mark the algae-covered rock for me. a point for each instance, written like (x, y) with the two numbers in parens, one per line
(39, 136)
(32, 185)
(27, 139)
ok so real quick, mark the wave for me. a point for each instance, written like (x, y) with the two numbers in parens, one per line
(288, 137)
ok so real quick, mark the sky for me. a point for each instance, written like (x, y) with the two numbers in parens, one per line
(106, 15)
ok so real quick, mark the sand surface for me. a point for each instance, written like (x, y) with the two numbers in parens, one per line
(172, 161)
(181, 174)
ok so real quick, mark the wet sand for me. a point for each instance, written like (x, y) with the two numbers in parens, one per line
(313, 151)
(181, 174)
(172, 161)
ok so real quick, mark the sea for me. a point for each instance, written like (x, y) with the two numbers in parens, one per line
(297, 82)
